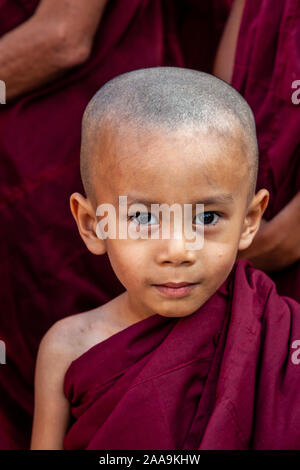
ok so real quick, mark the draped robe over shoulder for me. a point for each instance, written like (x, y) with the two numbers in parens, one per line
(225, 377)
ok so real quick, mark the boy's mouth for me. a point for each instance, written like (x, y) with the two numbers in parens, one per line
(175, 289)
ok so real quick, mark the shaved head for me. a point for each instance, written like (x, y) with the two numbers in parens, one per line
(169, 99)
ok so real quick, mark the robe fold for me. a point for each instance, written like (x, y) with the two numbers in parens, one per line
(225, 377)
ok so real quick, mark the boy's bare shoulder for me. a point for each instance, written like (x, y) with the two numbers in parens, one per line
(69, 337)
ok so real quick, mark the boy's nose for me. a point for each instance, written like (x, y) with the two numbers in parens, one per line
(174, 251)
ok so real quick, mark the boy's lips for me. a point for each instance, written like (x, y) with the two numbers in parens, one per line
(175, 289)
(175, 284)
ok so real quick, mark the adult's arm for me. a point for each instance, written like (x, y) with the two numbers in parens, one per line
(225, 56)
(58, 36)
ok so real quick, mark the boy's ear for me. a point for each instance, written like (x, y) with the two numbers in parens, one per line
(253, 217)
(86, 220)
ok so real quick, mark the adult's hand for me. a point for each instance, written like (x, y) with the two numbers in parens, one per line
(277, 242)
(58, 36)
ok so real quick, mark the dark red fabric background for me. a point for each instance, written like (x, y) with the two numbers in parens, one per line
(46, 271)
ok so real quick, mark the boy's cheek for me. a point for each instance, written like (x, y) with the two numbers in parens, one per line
(218, 262)
(125, 261)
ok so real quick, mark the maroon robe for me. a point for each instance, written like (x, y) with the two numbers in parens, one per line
(46, 271)
(225, 377)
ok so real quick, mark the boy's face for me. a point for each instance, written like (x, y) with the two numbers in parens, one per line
(175, 167)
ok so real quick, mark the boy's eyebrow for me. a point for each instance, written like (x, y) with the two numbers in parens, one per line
(223, 198)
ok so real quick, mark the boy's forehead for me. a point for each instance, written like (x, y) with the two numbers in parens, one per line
(141, 146)
(164, 165)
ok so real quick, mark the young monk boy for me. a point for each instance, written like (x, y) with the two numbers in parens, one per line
(199, 352)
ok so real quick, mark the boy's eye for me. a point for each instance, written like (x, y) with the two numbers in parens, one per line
(142, 218)
(207, 218)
